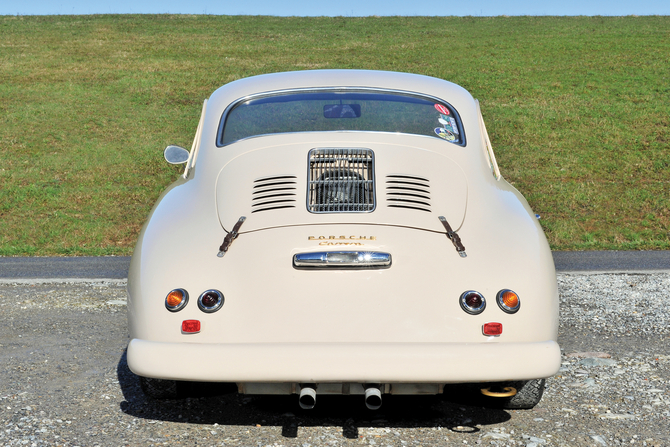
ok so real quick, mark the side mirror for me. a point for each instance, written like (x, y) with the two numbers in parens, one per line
(176, 155)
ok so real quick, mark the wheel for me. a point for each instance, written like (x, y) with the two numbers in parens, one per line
(528, 394)
(159, 388)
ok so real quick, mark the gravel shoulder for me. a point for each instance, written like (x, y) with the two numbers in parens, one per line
(65, 382)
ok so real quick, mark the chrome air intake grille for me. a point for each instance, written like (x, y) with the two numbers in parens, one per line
(341, 181)
(407, 191)
(273, 193)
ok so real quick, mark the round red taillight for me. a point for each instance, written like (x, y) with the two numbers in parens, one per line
(473, 302)
(176, 300)
(210, 301)
(508, 301)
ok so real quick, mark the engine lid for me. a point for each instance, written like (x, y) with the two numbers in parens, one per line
(345, 183)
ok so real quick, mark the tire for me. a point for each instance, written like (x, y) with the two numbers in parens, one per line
(159, 388)
(528, 394)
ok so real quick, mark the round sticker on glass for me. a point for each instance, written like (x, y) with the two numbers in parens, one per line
(445, 134)
(443, 110)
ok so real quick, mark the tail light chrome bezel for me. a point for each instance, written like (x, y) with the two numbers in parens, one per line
(181, 305)
(213, 308)
(504, 307)
(468, 308)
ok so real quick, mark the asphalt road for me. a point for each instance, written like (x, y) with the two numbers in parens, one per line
(116, 267)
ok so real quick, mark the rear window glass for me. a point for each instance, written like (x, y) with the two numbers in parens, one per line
(321, 111)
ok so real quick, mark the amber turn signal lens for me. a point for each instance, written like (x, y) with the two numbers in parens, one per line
(176, 300)
(508, 301)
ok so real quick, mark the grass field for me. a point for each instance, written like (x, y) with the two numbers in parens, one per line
(578, 110)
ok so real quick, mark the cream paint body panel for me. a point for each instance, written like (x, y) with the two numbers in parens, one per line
(407, 317)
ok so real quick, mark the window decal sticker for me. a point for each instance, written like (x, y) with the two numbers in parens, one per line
(454, 127)
(445, 134)
(442, 109)
(448, 124)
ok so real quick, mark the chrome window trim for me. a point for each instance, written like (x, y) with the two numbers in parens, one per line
(232, 105)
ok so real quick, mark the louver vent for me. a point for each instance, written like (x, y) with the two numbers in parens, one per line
(341, 181)
(273, 193)
(405, 191)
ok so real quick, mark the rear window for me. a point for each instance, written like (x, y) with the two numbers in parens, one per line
(319, 111)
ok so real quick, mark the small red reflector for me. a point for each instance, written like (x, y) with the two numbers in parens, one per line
(492, 329)
(190, 326)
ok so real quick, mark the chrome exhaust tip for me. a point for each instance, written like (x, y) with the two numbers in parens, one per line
(373, 397)
(307, 398)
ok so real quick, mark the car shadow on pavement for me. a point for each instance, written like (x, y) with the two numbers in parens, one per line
(219, 403)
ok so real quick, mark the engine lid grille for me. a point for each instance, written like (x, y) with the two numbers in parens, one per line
(408, 191)
(341, 180)
(273, 193)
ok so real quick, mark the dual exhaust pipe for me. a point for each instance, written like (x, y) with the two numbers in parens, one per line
(307, 399)
(373, 397)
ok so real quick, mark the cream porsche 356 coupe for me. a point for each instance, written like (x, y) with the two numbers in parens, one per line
(343, 232)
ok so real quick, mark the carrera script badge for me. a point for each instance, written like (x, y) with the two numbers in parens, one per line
(341, 240)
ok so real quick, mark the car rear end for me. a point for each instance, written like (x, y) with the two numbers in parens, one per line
(348, 262)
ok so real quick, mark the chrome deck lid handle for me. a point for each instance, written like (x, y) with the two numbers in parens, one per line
(342, 259)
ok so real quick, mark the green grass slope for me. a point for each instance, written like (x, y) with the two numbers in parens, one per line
(578, 110)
